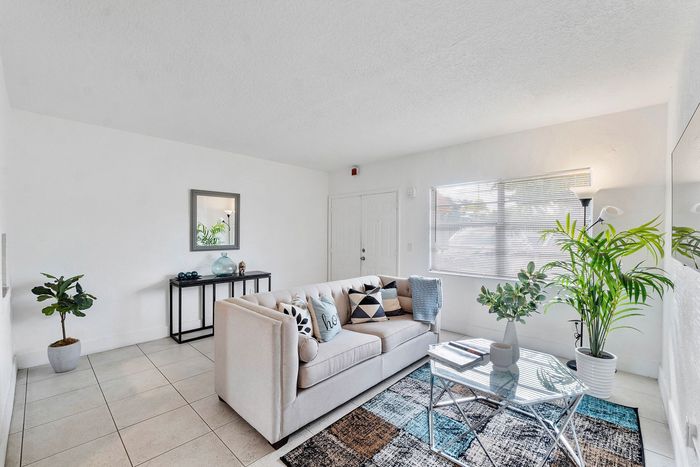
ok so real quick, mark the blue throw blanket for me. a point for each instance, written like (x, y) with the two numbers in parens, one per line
(427, 298)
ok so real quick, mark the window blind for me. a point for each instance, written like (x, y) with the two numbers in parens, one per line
(494, 228)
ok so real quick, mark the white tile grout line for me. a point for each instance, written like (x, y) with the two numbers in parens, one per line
(193, 409)
(110, 409)
(24, 421)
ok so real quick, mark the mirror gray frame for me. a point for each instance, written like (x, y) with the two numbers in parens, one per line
(194, 194)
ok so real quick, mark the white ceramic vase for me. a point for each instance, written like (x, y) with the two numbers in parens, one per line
(511, 337)
(596, 373)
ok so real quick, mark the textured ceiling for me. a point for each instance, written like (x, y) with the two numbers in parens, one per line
(329, 83)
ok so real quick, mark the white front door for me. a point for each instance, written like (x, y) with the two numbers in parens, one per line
(379, 248)
(346, 237)
(363, 237)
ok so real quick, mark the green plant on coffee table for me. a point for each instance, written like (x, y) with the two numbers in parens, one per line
(594, 281)
(515, 301)
(65, 302)
(210, 235)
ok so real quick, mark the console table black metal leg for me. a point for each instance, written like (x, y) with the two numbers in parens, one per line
(204, 305)
(179, 314)
(244, 281)
(269, 284)
(213, 303)
(257, 285)
(170, 299)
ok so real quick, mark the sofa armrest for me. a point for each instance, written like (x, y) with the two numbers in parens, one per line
(256, 363)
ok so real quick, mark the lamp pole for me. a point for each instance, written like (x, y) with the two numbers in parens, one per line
(585, 199)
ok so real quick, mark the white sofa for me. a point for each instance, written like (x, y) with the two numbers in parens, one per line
(258, 372)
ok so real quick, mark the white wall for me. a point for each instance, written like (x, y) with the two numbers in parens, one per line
(679, 377)
(626, 152)
(7, 364)
(115, 206)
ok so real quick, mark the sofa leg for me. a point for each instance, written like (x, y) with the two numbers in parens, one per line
(280, 443)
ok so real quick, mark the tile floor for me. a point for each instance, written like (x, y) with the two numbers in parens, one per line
(153, 404)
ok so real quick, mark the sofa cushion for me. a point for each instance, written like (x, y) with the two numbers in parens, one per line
(346, 350)
(394, 332)
(308, 348)
(390, 298)
(299, 311)
(366, 306)
(325, 318)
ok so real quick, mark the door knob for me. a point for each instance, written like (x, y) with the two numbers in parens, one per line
(362, 258)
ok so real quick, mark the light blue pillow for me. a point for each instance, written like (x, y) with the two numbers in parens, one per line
(325, 318)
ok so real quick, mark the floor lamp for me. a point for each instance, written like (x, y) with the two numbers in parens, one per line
(585, 196)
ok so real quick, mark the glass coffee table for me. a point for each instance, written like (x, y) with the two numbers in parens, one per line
(538, 381)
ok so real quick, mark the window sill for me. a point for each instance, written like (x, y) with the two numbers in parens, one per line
(474, 276)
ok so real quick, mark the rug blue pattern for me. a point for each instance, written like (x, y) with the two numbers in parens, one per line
(609, 433)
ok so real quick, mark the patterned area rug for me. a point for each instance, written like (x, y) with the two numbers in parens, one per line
(391, 430)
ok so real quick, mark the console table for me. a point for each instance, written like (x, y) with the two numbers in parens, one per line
(203, 282)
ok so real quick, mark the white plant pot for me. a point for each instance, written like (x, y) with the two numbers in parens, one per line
(64, 358)
(596, 373)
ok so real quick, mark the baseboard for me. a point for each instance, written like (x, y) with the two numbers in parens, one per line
(676, 425)
(8, 403)
(30, 358)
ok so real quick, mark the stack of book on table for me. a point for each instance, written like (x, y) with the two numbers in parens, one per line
(460, 355)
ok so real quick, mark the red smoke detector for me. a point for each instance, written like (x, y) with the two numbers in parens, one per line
(354, 171)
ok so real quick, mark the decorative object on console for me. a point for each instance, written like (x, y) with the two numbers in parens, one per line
(390, 298)
(515, 301)
(188, 276)
(241, 268)
(223, 266)
(64, 354)
(594, 282)
(324, 315)
(366, 306)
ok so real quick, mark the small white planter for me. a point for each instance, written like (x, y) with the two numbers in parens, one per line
(596, 373)
(64, 358)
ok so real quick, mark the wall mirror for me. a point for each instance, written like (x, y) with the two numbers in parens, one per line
(214, 220)
(686, 195)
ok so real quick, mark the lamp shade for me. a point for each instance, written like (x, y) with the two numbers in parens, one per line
(583, 192)
(228, 212)
(609, 211)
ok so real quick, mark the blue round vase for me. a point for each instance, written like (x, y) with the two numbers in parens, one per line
(223, 266)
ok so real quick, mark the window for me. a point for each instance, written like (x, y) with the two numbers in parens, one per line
(494, 228)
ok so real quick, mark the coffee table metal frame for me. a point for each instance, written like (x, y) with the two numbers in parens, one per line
(555, 429)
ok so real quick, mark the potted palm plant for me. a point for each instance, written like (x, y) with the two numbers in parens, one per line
(64, 354)
(605, 292)
(515, 301)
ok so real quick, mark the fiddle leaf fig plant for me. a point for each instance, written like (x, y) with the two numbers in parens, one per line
(515, 301)
(67, 296)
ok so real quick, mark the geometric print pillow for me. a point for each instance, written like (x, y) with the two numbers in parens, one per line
(366, 306)
(390, 298)
(300, 315)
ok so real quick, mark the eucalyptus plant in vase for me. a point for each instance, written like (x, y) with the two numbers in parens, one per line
(68, 297)
(605, 292)
(515, 301)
